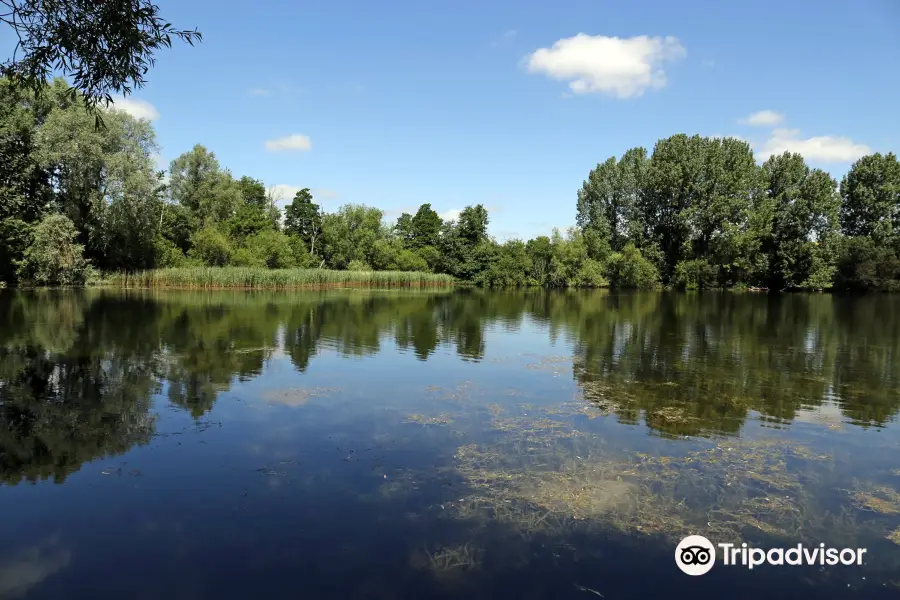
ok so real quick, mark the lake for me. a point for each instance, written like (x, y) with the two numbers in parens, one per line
(467, 444)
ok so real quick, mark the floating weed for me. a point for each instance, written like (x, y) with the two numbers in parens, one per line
(672, 415)
(461, 557)
(296, 396)
(894, 536)
(442, 419)
(879, 499)
(543, 475)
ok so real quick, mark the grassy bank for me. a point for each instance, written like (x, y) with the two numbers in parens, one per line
(256, 278)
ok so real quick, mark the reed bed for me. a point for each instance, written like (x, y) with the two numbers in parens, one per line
(256, 278)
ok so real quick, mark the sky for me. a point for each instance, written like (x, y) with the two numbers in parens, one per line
(511, 103)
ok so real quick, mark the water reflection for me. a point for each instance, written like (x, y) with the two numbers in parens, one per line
(687, 364)
(328, 449)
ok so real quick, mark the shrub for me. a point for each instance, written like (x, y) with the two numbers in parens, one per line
(244, 257)
(629, 269)
(695, 274)
(210, 247)
(590, 274)
(358, 265)
(168, 254)
(53, 257)
(273, 248)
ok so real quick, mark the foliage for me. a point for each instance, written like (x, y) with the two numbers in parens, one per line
(303, 219)
(53, 257)
(350, 234)
(210, 247)
(695, 274)
(866, 265)
(871, 198)
(273, 248)
(105, 47)
(425, 227)
(197, 182)
(629, 269)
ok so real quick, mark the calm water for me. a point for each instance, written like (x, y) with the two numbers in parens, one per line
(355, 444)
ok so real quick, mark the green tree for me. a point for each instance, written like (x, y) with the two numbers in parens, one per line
(211, 247)
(273, 248)
(608, 199)
(472, 224)
(253, 192)
(871, 194)
(805, 223)
(53, 257)
(512, 267)
(425, 227)
(302, 218)
(197, 182)
(350, 234)
(403, 229)
(629, 269)
(105, 182)
(104, 47)
(698, 202)
(540, 252)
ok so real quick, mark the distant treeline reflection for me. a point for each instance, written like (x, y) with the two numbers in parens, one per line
(78, 369)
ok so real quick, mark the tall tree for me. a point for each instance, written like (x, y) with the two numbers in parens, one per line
(198, 182)
(25, 191)
(104, 47)
(473, 223)
(105, 182)
(425, 227)
(403, 229)
(302, 218)
(253, 192)
(350, 234)
(871, 193)
(805, 220)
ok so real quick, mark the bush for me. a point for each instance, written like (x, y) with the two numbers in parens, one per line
(210, 247)
(273, 248)
(695, 274)
(358, 265)
(590, 274)
(629, 269)
(53, 257)
(863, 265)
(244, 257)
(15, 237)
(168, 254)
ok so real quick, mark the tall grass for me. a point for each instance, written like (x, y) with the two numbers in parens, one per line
(260, 278)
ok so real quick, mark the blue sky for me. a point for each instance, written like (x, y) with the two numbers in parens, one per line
(393, 104)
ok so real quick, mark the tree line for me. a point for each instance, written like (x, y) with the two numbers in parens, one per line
(77, 199)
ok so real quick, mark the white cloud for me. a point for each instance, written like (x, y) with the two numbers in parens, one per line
(139, 109)
(763, 118)
(823, 149)
(450, 215)
(619, 67)
(287, 143)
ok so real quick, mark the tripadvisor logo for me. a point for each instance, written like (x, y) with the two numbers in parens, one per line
(696, 555)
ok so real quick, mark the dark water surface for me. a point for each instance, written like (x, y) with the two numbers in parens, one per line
(362, 444)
